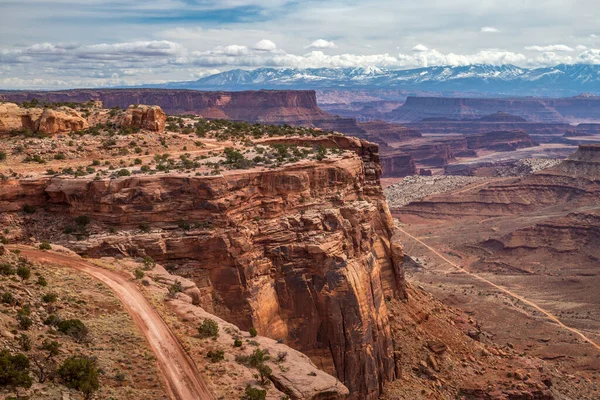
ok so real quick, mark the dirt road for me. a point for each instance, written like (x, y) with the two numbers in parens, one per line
(180, 374)
(516, 296)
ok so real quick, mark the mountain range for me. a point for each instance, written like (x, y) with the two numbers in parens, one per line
(560, 80)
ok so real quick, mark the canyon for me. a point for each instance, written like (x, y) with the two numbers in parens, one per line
(522, 249)
(279, 229)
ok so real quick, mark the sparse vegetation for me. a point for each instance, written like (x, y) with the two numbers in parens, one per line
(208, 328)
(80, 373)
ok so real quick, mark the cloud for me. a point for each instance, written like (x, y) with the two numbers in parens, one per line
(552, 48)
(265, 45)
(322, 44)
(420, 48)
(489, 29)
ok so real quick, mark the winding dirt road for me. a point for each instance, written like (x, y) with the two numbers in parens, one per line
(182, 379)
(522, 299)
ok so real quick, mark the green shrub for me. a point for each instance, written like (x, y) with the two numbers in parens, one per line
(52, 347)
(82, 220)
(24, 321)
(265, 372)
(252, 331)
(8, 298)
(2, 155)
(52, 320)
(174, 289)
(215, 355)
(254, 394)
(237, 343)
(144, 227)
(45, 246)
(123, 172)
(6, 269)
(139, 274)
(74, 328)
(42, 281)
(208, 328)
(14, 370)
(49, 297)
(24, 272)
(80, 373)
(25, 342)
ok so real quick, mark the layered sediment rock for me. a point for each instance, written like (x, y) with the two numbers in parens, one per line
(302, 252)
(575, 181)
(41, 120)
(293, 107)
(500, 140)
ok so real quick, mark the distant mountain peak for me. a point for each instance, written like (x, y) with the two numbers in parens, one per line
(508, 79)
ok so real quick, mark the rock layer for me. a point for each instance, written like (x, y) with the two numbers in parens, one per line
(303, 253)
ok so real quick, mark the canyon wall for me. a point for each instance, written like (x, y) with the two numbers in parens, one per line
(301, 252)
(566, 110)
(293, 107)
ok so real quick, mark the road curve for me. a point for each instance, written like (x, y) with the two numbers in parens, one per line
(514, 295)
(179, 372)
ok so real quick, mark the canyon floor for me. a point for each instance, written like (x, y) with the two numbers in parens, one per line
(530, 277)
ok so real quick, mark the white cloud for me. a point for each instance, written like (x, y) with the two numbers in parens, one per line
(265, 45)
(489, 29)
(322, 44)
(552, 48)
(420, 48)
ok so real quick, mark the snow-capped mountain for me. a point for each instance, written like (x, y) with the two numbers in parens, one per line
(504, 79)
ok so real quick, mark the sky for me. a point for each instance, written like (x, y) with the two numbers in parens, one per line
(95, 43)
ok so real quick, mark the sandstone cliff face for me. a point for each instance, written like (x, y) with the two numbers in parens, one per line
(500, 140)
(46, 121)
(303, 253)
(151, 118)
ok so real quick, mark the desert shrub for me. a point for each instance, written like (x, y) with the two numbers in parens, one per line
(174, 289)
(265, 372)
(27, 209)
(60, 156)
(144, 227)
(82, 220)
(139, 274)
(80, 373)
(215, 355)
(24, 272)
(49, 297)
(2, 155)
(52, 320)
(25, 321)
(74, 328)
(281, 356)
(208, 328)
(254, 394)
(149, 262)
(24, 342)
(6, 269)
(237, 343)
(52, 347)
(252, 331)
(14, 370)
(9, 298)
(45, 246)
(42, 281)
(123, 172)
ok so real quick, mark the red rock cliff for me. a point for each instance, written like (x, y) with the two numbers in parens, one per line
(302, 252)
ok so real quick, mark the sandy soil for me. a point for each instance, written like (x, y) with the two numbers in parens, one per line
(180, 374)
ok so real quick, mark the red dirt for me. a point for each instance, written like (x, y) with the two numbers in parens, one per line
(182, 379)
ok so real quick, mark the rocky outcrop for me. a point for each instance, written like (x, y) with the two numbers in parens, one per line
(41, 120)
(293, 107)
(398, 165)
(500, 140)
(151, 118)
(388, 132)
(303, 252)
